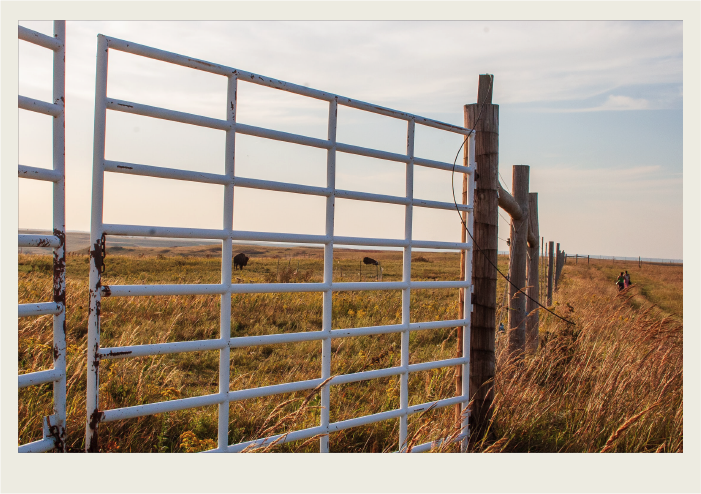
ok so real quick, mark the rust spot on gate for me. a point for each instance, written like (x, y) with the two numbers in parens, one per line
(60, 269)
(126, 167)
(56, 352)
(106, 292)
(115, 354)
(128, 106)
(95, 418)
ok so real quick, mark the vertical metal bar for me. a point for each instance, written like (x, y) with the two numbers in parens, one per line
(59, 227)
(228, 224)
(468, 296)
(96, 247)
(328, 275)
(406, 292)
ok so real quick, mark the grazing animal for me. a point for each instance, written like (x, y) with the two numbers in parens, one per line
(240, 260)
(369, 260)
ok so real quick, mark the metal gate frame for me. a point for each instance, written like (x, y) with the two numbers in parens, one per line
(54, 429)
(229, 180)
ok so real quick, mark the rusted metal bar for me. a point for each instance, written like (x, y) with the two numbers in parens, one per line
(37, 106)
(39, 309)
(41, 377)
(38, 173)
(40, 446)
(31, 36)
(38, 241)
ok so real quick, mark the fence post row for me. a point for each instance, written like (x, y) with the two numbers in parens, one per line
(54, 426)
(228, 233)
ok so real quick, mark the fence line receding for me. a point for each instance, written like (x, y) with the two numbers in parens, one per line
(227, 234)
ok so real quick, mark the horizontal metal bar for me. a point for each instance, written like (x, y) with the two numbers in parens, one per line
(162, 290)
(438, 364)
(442, 205)
(38, 241)
(371, 153)
(421, 285)
(162, 407)
(41, 377)
(277, 135)
(165, 56)
(253, 183)
(36, 38)
(430, 244)
(384, 242)
(214, 289)
(369, 285)
(366, 196)
(161, 172)
(365, 420)
(420, 448)
(280, 237)
(283, 438)
(441, 165)
(419, 326)
(38, 106)
(39, 309)
(367, 375)
(40, 446)
(164, 231)
(433, 405)
(275, 389)
(164, 114)
(368, 330)
(279, 287)
(272, 339)
(161, 349)
(38, 173)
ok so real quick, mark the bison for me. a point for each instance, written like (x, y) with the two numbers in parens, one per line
(240, 260)
(369, 260)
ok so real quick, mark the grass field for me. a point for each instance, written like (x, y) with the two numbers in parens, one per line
(583, 390)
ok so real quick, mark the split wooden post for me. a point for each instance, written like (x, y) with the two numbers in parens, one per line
(517, 264)
(533, 280)
(484, 257)
(551, 245)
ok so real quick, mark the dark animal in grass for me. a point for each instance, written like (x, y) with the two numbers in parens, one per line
(369, 260)
(240, 260)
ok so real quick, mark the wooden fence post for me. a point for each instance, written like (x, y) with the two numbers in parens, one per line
(517, 264)
(533, 280)
(550, 273)
(558, 260)
(484, 275)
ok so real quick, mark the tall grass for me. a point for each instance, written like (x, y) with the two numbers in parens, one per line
(612, 382)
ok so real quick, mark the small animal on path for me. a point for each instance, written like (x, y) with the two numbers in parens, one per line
(369, 260)
(240, 260)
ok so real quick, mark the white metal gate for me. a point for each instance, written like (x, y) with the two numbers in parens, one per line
(229, 180)
(54, 426)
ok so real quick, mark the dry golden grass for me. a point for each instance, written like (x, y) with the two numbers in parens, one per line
(613, 381)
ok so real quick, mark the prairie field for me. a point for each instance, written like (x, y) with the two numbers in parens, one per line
(612, 381)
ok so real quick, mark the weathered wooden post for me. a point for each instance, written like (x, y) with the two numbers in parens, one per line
(558, 260)
(517, 265)
(484, 258)
(550, 273)
(533, 281)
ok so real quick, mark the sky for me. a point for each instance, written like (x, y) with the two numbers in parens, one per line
(593, 107)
